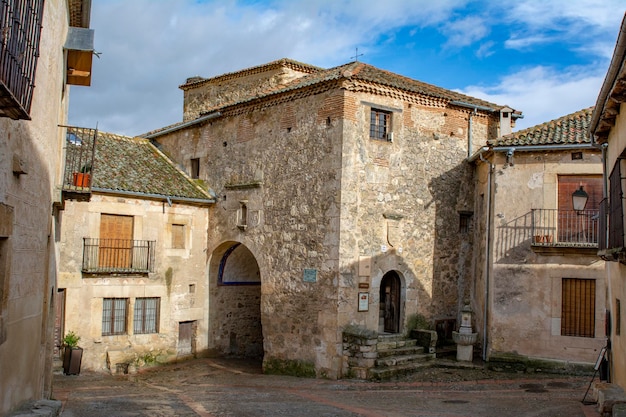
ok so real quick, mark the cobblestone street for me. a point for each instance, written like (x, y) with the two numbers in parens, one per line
(232, 388)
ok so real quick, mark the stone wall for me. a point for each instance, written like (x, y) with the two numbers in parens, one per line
(30, 166)
(525, 291)
(330, 211)
(179, 280)
(201, 95)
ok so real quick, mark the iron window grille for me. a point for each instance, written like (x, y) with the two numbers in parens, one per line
(146, 315)
(114, 311)
(20, 23)
(380, 125)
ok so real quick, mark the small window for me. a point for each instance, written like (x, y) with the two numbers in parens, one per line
(243, 215)
(178, 236)
(465, 221)
(114, 312)
(146, 318)
(578, 307)
(380, 125)
(195, 168)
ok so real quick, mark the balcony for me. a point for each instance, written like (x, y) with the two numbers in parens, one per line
(565, 229)
(118, 256)
(80, 147)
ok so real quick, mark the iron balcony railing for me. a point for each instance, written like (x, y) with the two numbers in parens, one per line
(565, 228)
(118, 256)
(80, 148)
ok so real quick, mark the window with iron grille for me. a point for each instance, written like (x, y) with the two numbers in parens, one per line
(146, 317)
(578, 307)
(380, 125)
(20, 21)
(114, 312)
(616, 214)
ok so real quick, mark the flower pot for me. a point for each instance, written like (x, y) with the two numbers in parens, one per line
(72, 357)
(81, 179)
(538, 238)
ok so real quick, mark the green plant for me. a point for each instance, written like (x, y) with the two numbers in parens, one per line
(71, 339)
(86, 168)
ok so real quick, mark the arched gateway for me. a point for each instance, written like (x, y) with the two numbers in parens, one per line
(235, 302)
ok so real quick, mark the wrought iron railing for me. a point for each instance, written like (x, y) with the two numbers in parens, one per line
(565, 228)
(80, 146)
(20, 21)
(118, 255)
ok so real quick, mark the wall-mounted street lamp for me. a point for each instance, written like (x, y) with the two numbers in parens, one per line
(579, 199)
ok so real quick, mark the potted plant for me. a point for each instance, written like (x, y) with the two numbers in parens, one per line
(82, 178)
(72, 354)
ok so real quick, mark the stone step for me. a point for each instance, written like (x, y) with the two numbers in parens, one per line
(406, 350)
(389, 372)
(394, 344)
(391, 361)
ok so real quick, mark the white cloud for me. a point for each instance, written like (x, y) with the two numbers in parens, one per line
(543, 94)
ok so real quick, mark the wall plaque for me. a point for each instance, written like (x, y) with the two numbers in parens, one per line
(310, 275)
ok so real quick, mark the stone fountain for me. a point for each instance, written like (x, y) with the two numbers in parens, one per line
(464, 338)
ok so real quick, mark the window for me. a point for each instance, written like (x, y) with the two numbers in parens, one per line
(114, 312)
(116, 241)
(574, 227)
(380, 125)
(243, 215)
(178, 236)
(20, 21)
(616, 213)
(195, 168)
(465, 221)
(578, 307)
(146, 319)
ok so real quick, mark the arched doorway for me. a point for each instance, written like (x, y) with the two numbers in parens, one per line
(390, 303)
(235, 302)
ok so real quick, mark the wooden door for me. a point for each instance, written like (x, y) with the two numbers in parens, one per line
(116, 241)
(390, 301)
(59, 320)
(185, 338)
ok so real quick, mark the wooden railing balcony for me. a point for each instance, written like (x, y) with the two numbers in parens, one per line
(112, 256)
(563, 228)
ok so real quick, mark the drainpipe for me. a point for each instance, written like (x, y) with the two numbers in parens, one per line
(488, 251)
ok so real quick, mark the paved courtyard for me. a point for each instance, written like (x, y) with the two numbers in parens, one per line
(233, 388)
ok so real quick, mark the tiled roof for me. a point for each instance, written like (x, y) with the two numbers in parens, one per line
(570, 129)
(135, 165)
(368, 73)
(193, 82)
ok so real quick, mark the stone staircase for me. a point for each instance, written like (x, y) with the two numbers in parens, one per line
(368, 355)
(398, 356)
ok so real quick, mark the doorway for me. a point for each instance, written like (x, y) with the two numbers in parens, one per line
(390, 303)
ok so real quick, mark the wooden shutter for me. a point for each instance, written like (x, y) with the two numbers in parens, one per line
(578, 307)
(178, 236)
(116, 241)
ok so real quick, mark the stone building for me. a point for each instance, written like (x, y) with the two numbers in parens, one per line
(39, 59)
(608, 127)
(539, 283)
(343, 198)
(132, 254)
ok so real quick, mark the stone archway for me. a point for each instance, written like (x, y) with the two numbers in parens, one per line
(390, 304)
(235, 302)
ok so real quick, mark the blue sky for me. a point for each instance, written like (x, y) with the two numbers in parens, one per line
(546, 58)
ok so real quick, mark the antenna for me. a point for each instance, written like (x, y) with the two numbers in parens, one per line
(356, 55)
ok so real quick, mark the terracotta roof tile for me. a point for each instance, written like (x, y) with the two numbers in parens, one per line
(135, 165)
(570, 129)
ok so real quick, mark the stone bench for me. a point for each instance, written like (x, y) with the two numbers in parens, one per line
(608, 396)
(118, 361)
